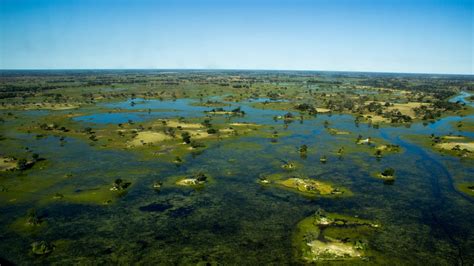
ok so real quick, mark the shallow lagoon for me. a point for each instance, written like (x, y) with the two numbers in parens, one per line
(147, 109)
(170, 109)
(462, 97)
(235, 220)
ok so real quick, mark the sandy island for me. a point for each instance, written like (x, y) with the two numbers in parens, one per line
(462, 145)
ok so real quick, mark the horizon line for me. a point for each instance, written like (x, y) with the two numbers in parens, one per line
(239, 69)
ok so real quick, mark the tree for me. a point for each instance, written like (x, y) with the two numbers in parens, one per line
(340, 151)
(212, 131)
(22, 164)
(201, 177)
(186, 137)
(303, 148)
(32, 217)
(388, 172)
(207, 123)
(197, 144)
(288, 116)
(238, 111)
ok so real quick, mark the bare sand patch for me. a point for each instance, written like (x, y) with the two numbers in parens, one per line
(226, 130)
(407, 108)
(334, 131)
(243, 124)
(198, 134)
(462, 145)
(52, 106)
(453, 137)
(188, 182)
(376, 118)
(176, 124)
(42, 106)
(323, 110)
(381, 147)
(7, 164)
(388, 147)
(146, 137)
(334, 249)
(308, 185)
(220, 112)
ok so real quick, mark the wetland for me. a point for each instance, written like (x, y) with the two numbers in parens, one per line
(232, 167)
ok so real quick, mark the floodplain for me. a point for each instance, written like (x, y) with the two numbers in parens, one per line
(236, 167)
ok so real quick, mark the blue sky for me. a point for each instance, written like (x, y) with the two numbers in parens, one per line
(379, 35)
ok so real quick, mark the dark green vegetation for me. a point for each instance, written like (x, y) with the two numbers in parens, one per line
(235, 167)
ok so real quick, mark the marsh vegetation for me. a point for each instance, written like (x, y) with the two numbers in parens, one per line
(235, 167)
